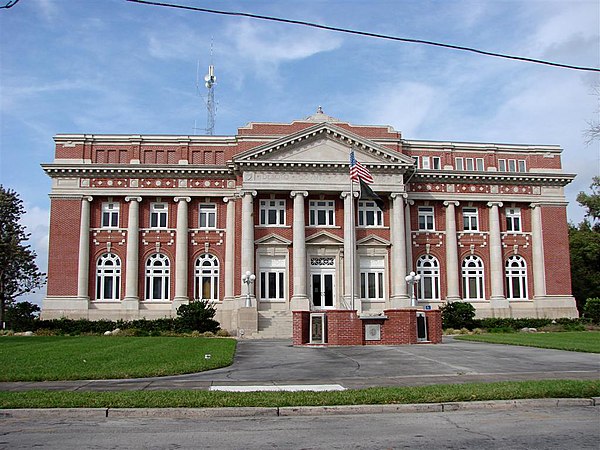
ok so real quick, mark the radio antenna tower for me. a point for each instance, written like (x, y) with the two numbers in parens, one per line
(209, 81)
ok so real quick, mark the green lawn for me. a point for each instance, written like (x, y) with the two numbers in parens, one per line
(101, 357)
(577, 341)
(371, 396)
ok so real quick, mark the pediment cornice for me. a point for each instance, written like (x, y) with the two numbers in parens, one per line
(373, 240)
(273, 239)
(277, 153)
(324, 238)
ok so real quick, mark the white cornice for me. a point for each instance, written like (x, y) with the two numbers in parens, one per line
(118, 170)
(561, 179)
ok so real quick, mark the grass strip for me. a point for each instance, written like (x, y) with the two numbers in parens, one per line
(46, 358)
(577, 341)
(372, 396)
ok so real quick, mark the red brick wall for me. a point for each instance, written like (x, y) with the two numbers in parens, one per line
(63, 250)
(434, 326)
(556, 250)
(344, 328)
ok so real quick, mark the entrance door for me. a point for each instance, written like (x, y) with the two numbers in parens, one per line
(322, 289)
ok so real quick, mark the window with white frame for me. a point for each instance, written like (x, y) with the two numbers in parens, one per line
(426, 218)
(470, 219)
(110, 215)
(428, 267)
(513, 220)
(521, 166)
(159, 213)
(516, 278)
(207, 219)
(512, 165)
(501, 165)
(436, 163)
(369, 214)
(272, 212)
(321, 212)
(371, 278)
(469, 164)
(472, 278)
(425, 162)
(271, 278)
(479, 165)
(459, 163)
(108, 277)
(206, 278)
(158, 277)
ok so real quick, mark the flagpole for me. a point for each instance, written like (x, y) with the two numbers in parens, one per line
(353, 244)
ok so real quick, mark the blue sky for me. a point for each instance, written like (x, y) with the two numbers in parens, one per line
(110, 66)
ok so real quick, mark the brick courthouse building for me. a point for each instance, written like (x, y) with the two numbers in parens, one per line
(142, 224)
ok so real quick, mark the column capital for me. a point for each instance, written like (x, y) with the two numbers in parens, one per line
(250, 191)
(451, 202)
(345, 194)
(295, 193)
(231, 198)
(399, 194)
(185, 199)
(498, 204)
(133, 199)
(88, 198)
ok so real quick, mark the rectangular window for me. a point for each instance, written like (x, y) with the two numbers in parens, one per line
(426, 218)
(470, 164)
(158, 215)
(513, 220)
(479, 164)
(272, 278)
(459, 163)
(512, 165)
(371, 278)
(425, 162)
(521, 165)
(272, 212)
(321, 212)
(417, 161)
(436, 163)
(110, 215)
(470, 219)
(208, 216)
(369, 214)
(501, 165)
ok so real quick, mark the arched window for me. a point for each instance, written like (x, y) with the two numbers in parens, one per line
(108, 277)
(516, 278)
(158, 277)
(206, 278)
(429, 285)
(472, 278)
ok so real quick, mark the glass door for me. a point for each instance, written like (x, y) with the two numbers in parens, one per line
(322, 289)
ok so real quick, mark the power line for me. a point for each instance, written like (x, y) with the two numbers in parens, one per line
(368, 34)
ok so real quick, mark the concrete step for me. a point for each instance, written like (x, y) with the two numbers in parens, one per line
(275, 324)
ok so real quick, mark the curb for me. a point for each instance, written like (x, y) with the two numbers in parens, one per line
(294, 411)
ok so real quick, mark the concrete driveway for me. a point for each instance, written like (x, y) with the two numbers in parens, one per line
(276, 362)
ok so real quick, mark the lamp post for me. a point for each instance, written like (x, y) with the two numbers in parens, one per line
(248, 278)
(412, 279)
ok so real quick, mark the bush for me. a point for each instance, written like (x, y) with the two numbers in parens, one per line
(591, 310)
(196, 316)
(458, 315)
(21, 316)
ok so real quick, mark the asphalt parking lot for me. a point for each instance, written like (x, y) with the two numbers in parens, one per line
(276, 362)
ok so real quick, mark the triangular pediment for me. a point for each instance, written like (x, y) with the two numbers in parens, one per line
(273, 239)
(373, 240)
(324, 238)
(323, 143)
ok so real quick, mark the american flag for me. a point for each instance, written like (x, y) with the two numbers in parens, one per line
(358, 171)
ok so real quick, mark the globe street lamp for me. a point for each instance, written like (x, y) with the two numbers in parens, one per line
(248, 278)
(412, 279)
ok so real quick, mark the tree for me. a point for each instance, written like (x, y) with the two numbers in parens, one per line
(584, 245)
(20, 316)
(591, 202)
(458, 315)
(19, 273)
(197, 316)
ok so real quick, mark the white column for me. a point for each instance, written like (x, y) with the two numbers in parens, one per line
(497, 298)
(452, 271)
(83, 268)
(400, 298)
(131, 300)
(181, 253)
(247, 262)
(407, 229)
(350, 259)
(229, 247)
(537, 248)
(299, 298)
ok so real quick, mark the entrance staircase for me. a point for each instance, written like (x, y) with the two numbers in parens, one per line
(275, 324)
